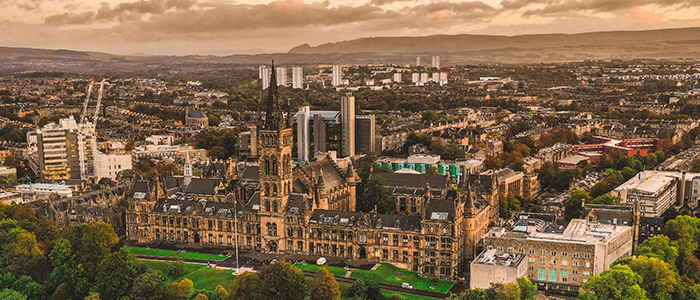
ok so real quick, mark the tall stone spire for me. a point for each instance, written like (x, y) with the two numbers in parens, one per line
(273, 115)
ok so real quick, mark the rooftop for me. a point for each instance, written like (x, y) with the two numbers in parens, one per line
(492, 257)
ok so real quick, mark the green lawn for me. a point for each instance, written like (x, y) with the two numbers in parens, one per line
(314, 268)
(152, 252)
(202, 276)
(345, 286)
(386, 273)
(202, 256)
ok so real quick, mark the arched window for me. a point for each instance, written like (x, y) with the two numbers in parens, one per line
(274, 189)
(267, 166)
(267, 189)
(274, 206)
(274, 168)
(267, 206)
(274, 229)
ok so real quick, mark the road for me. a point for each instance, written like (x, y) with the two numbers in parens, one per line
(348, 280)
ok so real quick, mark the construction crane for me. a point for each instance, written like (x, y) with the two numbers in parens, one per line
(86, 127)
(94, 127)
(81, 137)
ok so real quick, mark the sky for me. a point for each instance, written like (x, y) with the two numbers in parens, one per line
(223, 27)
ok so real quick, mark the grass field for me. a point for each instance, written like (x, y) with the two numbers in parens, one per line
(202, 256)
(386, 273)
(152, 252)
(314, 268)
(345, 286)
(202, 276)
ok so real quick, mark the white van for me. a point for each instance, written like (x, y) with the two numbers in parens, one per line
(406, 285)
(321, 261)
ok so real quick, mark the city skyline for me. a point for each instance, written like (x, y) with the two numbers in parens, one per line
(186, 27)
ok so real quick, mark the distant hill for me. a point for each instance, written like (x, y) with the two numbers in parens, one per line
(664, 43)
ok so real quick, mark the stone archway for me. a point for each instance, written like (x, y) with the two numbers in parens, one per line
(196, 238)
(363, 253)
(272, 246)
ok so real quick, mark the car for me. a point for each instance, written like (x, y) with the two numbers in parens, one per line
(321, 261)
(406, 285)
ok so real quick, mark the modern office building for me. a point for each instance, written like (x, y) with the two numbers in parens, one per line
(397, 77)
(436, 62)
(59, 150)
(297, 78)
(656, 191)
(492, 266)
(347, 113)
(265, 76)
(337, 75)
(248, 143)
(457, 169)
(423, 77)
(418, 61)
(316, 131)
(443, 78)
(436, 77)
(365, 137)
(282, 76)
(415, 77)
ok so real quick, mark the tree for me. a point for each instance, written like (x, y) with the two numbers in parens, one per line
(11, 161)
(177, 269)
(245, 287)
(115, 275)
(475, 294)
(606, 199)
(376, 195)
(8, 294)
(201, 297)
(659, 247)
(505, 291)
(618, 282)
(324, 286)
(365, 289)
(221, 293)
(92, 296)
(183, 288)
(528, 291)
(150, 285)
(282, 281)
(452, 151)
(575, 203)
(658, 279)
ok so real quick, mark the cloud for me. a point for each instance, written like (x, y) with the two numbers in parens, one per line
(563, 7)
(122, 12)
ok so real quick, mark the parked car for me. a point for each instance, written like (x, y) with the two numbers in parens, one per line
(321, 261)
(406, 285)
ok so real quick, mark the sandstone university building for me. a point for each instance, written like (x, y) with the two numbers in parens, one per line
(279, 208)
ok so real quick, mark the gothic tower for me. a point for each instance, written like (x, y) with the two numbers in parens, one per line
(275, 138)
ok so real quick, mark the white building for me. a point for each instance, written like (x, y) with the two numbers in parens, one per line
(282, 76)
(337, 75)
(656, 191)
(443, 78)
(418, 61)
(397, 77)
(492, 266)
(347, 111)
(297, 78)
(36, 191)
(415, 77)
(109, 165)
(436, 77)
(436, 62)
(423, 77)
(160, 140)
(265, 76)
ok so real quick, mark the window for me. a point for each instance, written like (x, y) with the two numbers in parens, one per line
(565, 254)
(499, 249)
(564, 263)
(587, 265)
(574, 272)
(575, 255)
(510, 249)
(574, 279)
(416, 241)
(542, 261)
(531, 260)
(363, 238)
(541, 274)
(586, 273)
(521, 251)
(586, 256)
(530, 268)
(575, 263)
(532, 251)
(564, 274)
(552, 274)
(554, 253)
(542, 252)
(405, 239)
(489, 247)
(553, 262)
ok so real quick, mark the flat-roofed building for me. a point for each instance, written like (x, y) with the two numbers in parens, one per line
(562, 259)
(492, 266)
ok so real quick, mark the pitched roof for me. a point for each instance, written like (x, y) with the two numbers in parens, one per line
(332, 176)
(196, 114)
(416, 181)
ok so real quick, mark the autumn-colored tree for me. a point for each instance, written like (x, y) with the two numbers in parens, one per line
(201, 297)
(183, 288)
(324, 286)
(282, 281)
(245, 287)
(618, 282)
